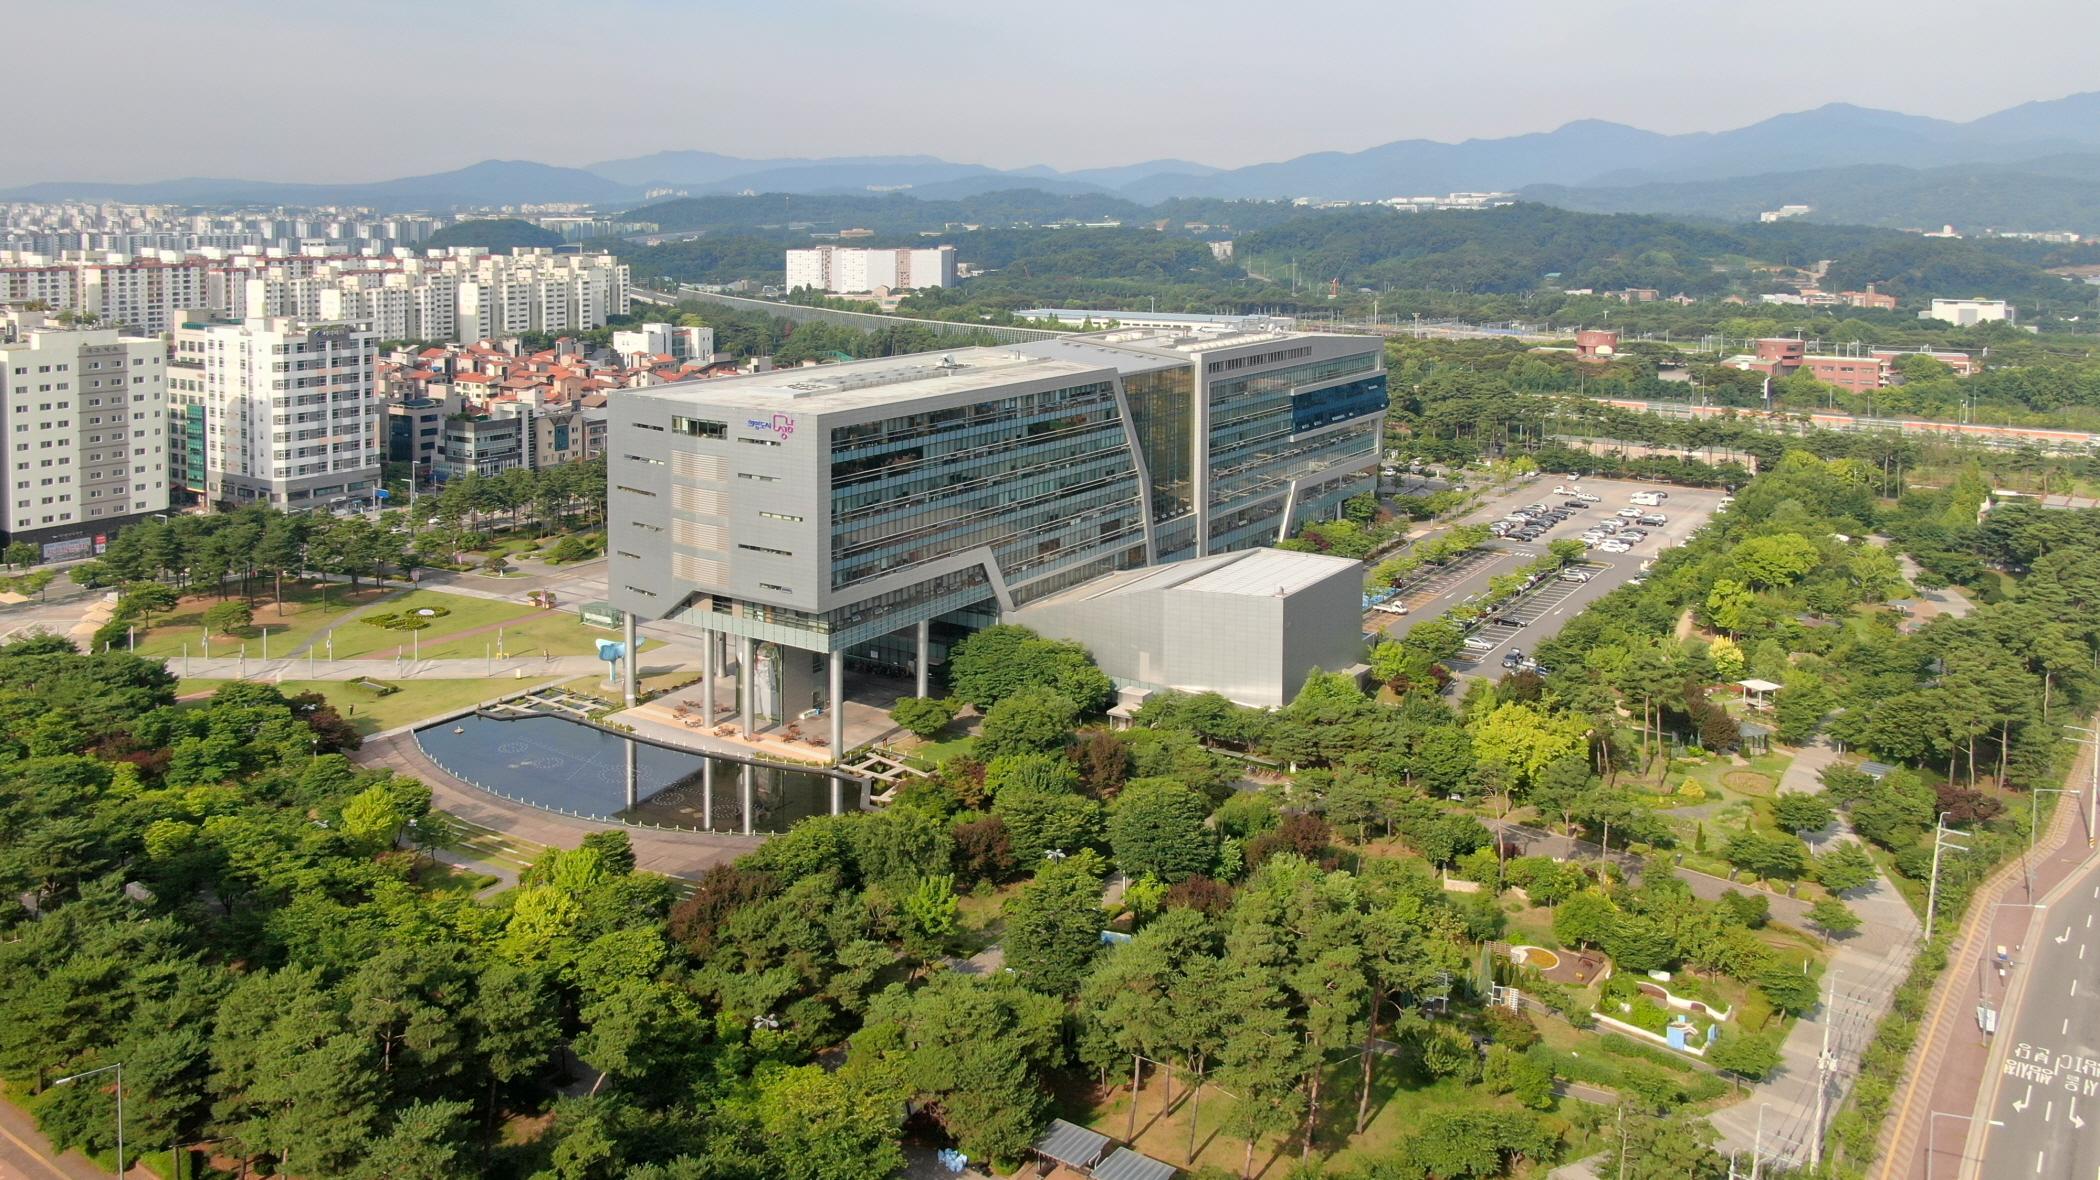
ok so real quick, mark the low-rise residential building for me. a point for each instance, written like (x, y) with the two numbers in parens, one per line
(84, 413)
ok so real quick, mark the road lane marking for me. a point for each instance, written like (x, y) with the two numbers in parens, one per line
(2049, 1110)
(2072, 1114)
(2064, 937)
(2038, 1157)
(2088, 921)
(2074, 987)
(2081, 950)
(2066, 1029)
(2026, 1100)
(34, 1154)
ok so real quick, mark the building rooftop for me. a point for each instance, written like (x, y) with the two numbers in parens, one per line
(862, 384)
(1258, 573)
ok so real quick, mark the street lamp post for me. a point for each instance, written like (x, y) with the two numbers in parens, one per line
(119, 1068)
(2092, 814)
(2034, 813)
(1947, 1114)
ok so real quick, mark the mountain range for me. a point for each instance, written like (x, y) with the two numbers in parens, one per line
(1603, 163)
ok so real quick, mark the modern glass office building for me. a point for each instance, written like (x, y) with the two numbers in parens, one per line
(876, 510)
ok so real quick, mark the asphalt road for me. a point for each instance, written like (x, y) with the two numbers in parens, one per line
(2044, 1093)
(1553, 602)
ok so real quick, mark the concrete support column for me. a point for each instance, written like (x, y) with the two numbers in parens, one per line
(835, 709)
(633, 770)
(708, 670)
(745, 687)
(925, 656)
(707, 794)
(631, 677)
(837, 795)
(749, 805)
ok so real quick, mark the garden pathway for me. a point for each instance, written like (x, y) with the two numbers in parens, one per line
(1866, 970)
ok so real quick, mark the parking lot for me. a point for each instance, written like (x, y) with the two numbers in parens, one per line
(1541, 612)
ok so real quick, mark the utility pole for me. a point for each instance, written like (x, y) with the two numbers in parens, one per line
(1940, 832)
(1825, 1066)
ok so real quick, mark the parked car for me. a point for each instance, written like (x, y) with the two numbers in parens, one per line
(1575, 575)
(1391, 608)
(1616, 547)
(1572, 503)
(1628, 514)
(1654, 520)
(1586, 498)
(1477, 644)
(1513, 658)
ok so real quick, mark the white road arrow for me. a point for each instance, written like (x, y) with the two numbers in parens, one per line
(2026, 1100)
(2075, 1120)
(2065, 936)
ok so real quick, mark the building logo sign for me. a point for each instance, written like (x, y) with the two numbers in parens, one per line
(780, 425)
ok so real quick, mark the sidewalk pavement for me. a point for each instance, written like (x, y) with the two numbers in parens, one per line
(27, 1155)
(534, 668)
(1951, 1063)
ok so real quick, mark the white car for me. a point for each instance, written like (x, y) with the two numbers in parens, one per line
(1628, 513)
(1586, 498)
(1594, 538)
(1564, 490)
(1616, 547)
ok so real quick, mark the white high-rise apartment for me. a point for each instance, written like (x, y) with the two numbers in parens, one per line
(853, 269)
(136, 294)
(464, 294)
(84, 415)
(290, 412)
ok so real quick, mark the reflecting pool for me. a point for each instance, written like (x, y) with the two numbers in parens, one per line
(564, 765)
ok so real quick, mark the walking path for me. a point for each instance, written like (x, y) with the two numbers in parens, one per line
(27, 1155)
(1861, 979)
(305, 668)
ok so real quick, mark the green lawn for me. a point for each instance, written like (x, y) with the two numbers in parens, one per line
(525, 628)
(304, 615)
(417, 700)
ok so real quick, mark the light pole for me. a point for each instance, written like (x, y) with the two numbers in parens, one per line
(2092, 814)
(1940, 832)
(119, 1068)
(2034, 813)
(1947, 1114)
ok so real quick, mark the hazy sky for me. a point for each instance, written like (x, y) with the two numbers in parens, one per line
(351, 90)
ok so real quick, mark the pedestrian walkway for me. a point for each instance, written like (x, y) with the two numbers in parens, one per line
(1778, 1116)
(309, 667)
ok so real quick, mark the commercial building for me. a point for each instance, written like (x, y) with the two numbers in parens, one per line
(1251, 625)
(654, 344)
(85, 415)
(1964, 312)
(852, 270)
(878, 510)
(283, 413)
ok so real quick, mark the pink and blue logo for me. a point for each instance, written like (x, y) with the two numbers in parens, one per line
(780, 425)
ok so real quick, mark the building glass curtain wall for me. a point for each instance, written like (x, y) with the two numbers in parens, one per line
(883, 508)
